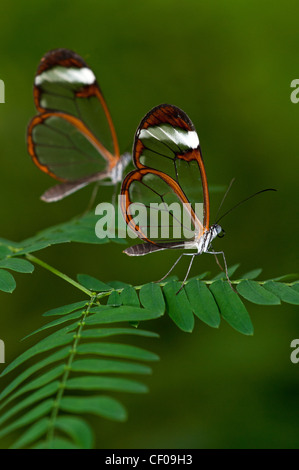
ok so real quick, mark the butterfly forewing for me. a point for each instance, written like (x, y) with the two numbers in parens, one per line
(167, 140)
(65, 83)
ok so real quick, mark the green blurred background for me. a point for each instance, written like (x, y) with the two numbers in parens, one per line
(229, 65)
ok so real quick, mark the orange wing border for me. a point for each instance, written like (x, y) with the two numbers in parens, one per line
(138, 175)
(80, 126)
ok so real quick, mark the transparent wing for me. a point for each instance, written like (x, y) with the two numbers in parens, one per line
(170, 176)
(65, 83)
(166, 140)
(156, 208)
(62, 146)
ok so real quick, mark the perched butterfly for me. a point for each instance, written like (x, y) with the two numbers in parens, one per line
(73, 137)
(169, 168)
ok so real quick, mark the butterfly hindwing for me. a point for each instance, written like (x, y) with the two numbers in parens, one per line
(61, 145)
(163, 209)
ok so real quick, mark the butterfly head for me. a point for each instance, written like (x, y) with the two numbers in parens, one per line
(217, 231)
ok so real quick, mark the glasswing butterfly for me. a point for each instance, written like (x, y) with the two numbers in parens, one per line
(169, 168)
(72, 138)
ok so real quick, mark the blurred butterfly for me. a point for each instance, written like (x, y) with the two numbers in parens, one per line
(169, 168)
(72, 138)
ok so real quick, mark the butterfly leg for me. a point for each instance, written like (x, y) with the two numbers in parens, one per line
(115, 191)
(225, 265)
(172, 267)
(92, 197)
(217, 261)
(188, 271)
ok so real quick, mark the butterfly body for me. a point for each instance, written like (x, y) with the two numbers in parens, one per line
(201, 245)
(116, 173)
(204, 242)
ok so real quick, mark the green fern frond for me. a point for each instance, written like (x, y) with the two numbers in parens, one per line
(81, 368)
(20, 265)
(44, 401)
(209, 299)
(79, 229)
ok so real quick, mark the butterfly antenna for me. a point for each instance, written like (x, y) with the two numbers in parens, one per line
(244, 200)
(224, 197)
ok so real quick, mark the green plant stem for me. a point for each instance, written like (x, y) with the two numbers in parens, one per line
(67, 371)
(162, 284)
(105, 294)
(59, 274)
